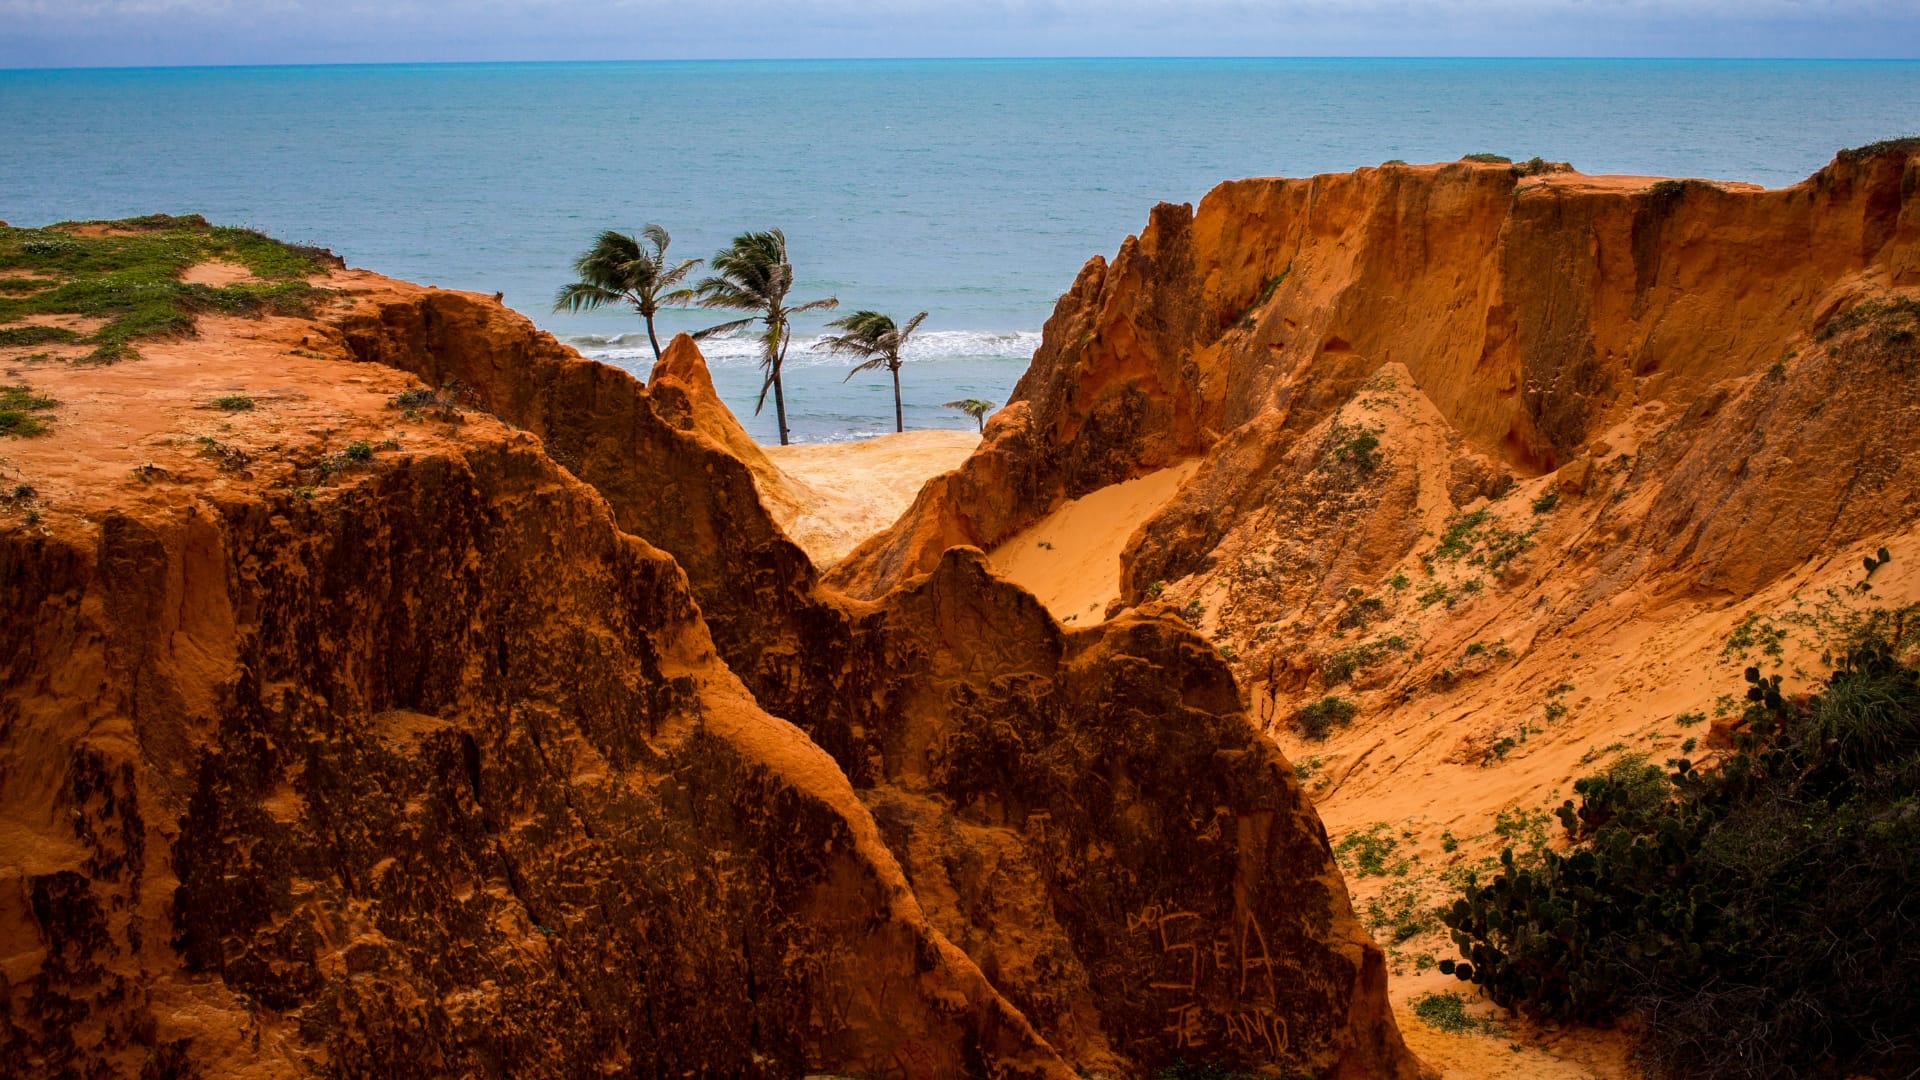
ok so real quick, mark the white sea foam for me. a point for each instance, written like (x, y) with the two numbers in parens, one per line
(729, 350)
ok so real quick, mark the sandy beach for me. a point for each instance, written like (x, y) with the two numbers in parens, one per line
(850, 490)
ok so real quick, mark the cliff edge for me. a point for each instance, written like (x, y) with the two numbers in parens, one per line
(387, 689)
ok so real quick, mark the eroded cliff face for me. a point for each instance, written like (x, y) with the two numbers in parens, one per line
(1531, 313)
(500, 730)
(1495, 477)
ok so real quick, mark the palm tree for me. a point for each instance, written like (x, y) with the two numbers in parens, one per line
(973, 407)
(754, 275)
(878, 341)
(621, 269)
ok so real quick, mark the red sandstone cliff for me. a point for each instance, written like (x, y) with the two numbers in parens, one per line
(527, 744)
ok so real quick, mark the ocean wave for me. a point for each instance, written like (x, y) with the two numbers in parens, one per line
(744, 348)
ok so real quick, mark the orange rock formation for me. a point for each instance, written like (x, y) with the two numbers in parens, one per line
(527, 743)
(1502, 459)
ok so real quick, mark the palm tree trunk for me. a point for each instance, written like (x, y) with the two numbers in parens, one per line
(654, 340)
(899, 419)
(779, 392)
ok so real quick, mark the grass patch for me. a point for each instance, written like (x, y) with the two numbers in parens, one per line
(1448, 1012)
(19, 407)
(233, 403)
(1484, 158)
(12, 337)
(131, 277)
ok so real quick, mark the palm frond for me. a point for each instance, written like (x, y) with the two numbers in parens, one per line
(825, 303)
(667, 279)
(584, 296)
(658, 237)
(877, 361)
(723, 328)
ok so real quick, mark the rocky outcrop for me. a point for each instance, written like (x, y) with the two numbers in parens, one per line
(1490, 479)
(1531, 313)
(535, 747)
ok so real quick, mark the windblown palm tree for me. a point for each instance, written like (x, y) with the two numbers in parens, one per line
(753, 274)
(874, 337)
(620, 269)
(973, 407)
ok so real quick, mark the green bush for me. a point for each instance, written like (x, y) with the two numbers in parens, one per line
(1756, 918)
(1317, 719)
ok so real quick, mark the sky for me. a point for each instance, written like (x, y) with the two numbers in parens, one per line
(82, 33)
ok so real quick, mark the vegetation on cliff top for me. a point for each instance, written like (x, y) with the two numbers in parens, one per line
(1755, 916)
(128, 273)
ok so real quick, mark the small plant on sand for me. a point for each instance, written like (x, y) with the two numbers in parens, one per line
(19, 409)
(1317, 719)
(233, 403)
(1356, 445)
(1546, 503)
(1448, 1012)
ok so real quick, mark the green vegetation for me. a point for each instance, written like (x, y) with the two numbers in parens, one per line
(1363, 612)
(27, 336)
(877, 341)
(1343, 664)
(622, 269)
(1481, 541)
(1546, 502)
(128, 273)
(1356, 445)
(1317, 719)
(1754, 917)
(1366, 852)
(1903, 146)
(1448, 1012)
(1267, 289)
(973, 407)
(1890, 337)
(233, 403)
(18, 406)
(1536, 166)
(1484, 158)
(753, 274)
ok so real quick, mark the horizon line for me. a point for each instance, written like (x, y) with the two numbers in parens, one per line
(1539, 58)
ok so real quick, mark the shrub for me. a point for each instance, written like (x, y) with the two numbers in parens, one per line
(1546, 502)
(1317, 719)
(1484, 158)
(233, 403)
(1755, 917)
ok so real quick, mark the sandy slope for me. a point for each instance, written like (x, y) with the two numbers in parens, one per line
(1071, 558)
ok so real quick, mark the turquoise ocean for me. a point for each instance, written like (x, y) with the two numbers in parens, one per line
(973, 189)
